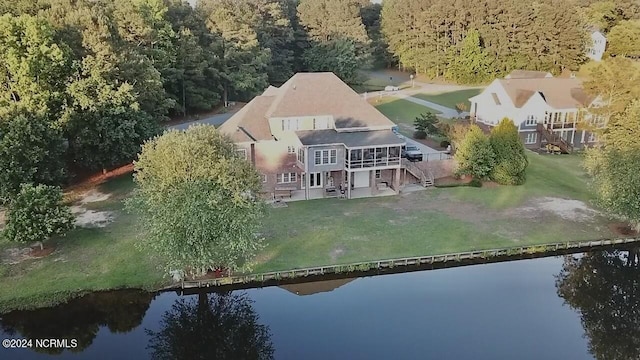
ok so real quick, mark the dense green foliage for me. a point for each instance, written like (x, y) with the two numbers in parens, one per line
(511, 161)
(623, 39)
(475, 155)
(615, 165)
(197, 201)
(36, 214)
(438, 37)
(31, 151)
(616, 81)
(427, 123)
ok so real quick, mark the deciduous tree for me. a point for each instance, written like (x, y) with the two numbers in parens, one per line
(198, 201)
(475, 155)
(615, 165)
(36, 214)
(622, 40)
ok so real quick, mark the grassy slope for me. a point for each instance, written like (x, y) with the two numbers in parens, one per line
(85, 260)
(318, 232)
(450, 99)
(324, 232)
(401, 112)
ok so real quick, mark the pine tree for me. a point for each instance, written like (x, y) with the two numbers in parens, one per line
(471, 66)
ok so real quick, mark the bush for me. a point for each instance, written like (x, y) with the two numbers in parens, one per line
(511, 160)
(36, 214)
(444, 143)
(419, 135)
(474, 154)
(475, 183)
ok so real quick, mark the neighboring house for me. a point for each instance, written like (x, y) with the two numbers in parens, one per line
(545, 109)
(314, 136)
(598, 45)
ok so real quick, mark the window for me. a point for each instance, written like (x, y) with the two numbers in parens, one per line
(319, 124)
(286, 178)
(531, 120)
(290, 125)
(242, 153)
(326, 157)
(301, 155)
(592, 137)
(496, 99)
(531, 138)
(291, 149)
(263, 177)
(378, 174)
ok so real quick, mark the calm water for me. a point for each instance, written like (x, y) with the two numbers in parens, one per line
(515, 310)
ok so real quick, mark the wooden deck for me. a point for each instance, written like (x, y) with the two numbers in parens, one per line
(463, 258)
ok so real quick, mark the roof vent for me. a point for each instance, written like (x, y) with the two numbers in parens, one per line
(573, 75)
(294, 86)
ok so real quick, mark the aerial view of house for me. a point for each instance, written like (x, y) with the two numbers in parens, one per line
(546, 109)
(315, 137)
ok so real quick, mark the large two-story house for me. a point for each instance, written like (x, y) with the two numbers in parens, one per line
(546, 109)
(315, 137)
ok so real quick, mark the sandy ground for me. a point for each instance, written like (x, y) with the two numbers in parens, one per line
(87, 218)
(572, 210)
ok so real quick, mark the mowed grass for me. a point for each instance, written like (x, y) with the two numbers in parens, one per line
(437, 221)
(451, 99)
(315, 233)
(401, 112)
(85, 260)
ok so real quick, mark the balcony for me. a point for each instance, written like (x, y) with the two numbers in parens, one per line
(378, 157)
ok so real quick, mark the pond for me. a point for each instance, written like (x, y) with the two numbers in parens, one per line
(575, 307)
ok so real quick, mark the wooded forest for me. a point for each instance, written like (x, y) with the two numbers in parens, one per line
(85, 82)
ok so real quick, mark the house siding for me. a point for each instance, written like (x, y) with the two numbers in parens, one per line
(339, 165)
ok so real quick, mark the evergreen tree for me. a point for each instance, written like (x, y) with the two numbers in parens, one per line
(511, 160)
(471, 65)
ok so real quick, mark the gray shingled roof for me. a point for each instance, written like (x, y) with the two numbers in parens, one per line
(349, 139)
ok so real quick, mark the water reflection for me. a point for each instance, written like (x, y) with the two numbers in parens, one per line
(604, 287)
(316, 287)
(211, 326)
(81, 318)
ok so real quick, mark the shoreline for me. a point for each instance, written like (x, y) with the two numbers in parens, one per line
(339, 271)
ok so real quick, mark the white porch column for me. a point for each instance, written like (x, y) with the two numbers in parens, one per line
(348, 184)
(306, 172)
(396, 180)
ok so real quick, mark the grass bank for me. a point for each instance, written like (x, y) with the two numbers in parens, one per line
(450, 99)
(401, 112)
(324, 232)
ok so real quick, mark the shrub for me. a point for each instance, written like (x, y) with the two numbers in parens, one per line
(444, 143)
(428, 123)
(420, 134)
(475, 182)
(36, 214)
(474, 154)
(511, 161)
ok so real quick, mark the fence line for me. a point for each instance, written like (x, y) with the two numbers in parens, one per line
(407, 261)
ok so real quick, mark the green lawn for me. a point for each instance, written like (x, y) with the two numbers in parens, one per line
(321, 232)
(450, 99)
(84, 260)
(401, 112)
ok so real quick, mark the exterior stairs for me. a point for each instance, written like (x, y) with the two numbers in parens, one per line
(425, 176)
(555, 139)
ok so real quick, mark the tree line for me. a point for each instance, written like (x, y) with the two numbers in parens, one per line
(473, 42)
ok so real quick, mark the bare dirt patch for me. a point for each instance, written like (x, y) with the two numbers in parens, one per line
(573, 210)
(623, 229)
(452, 181)
(90, 218)
(13, 256)
(336, 253)
(93, 196)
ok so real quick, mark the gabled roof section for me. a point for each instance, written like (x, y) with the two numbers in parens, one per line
(271, 91)
(558, 93)
(528, 74)
(323, 93)
(249, 123)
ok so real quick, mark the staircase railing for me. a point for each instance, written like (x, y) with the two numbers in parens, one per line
(555, 139)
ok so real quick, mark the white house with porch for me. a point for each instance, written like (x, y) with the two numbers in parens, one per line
(546, 109)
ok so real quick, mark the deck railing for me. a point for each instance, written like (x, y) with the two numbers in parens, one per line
(371, 163)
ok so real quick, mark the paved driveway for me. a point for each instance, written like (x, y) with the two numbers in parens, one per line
(215, 120)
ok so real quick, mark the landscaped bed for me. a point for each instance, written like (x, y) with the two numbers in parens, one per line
(553, 205)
